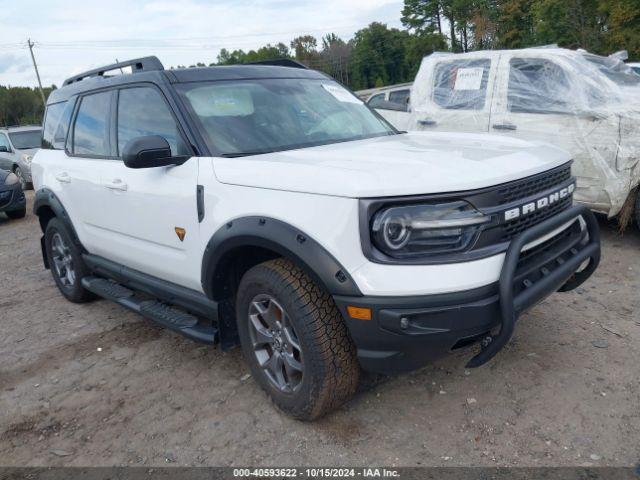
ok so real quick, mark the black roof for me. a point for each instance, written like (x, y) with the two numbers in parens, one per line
(151, 70)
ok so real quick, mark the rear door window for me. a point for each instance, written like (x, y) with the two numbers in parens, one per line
(91, 130)
(461, 84)
(537, 86)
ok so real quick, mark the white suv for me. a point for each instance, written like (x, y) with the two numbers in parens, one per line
(268, 206)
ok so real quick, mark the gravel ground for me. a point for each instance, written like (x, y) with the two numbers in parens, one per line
(95, 384)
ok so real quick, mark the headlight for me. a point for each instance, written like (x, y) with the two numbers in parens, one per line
(27, 158)
(11, 179)
(419, 230)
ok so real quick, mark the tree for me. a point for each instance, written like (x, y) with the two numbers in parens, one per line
(569, 23)
(335, 56)
(514, 24)
(379, 56)
(21, 105)
(623, 26)
(422, 16)
(305, 48)
(268, 52)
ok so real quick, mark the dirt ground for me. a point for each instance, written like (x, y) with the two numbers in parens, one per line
(95, 384)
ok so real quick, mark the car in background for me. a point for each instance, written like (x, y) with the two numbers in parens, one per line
(18, 145)
(586, 104)
(635, 67)
(12, 200)
(394, 98)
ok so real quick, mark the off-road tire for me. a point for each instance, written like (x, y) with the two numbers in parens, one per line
(74, 292)
(330, 368)
(16, 214)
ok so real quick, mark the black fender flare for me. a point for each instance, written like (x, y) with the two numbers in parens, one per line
(45, 198)
(281, 238)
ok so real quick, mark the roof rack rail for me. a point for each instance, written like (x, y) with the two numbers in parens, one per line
(143, 64)
(280, 62)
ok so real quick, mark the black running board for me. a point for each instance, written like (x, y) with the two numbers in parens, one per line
(177, 320)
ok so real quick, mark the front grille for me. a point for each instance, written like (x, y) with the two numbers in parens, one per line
(518, 225)
(535, 184)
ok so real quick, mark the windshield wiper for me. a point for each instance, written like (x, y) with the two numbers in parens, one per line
(245, 154)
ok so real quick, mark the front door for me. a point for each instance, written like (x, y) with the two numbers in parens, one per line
(454, 94)
(147, 218)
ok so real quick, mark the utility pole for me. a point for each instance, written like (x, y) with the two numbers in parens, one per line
(35, 65)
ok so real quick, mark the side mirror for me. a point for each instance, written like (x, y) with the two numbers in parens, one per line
(149, 152)
(4, 148)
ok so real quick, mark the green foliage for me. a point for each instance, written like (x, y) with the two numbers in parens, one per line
(600, 26)
(268, 52)
(21, 105)
(623, 26)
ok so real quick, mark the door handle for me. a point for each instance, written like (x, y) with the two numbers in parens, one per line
(426, 122)
(63, 177)
(504, 126)
(116, 184)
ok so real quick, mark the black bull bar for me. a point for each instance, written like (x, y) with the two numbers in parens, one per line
(562, 276)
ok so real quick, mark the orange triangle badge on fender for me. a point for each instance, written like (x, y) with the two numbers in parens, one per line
(181, 232)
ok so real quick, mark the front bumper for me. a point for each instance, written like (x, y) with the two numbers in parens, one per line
(12, 198)
(405, 333)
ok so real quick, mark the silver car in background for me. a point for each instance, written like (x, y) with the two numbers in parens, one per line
(18, 145)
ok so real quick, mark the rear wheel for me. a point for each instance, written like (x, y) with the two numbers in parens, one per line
(65, 261)
(295, 341)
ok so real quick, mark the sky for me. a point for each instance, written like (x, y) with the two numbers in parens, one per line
(74, 36)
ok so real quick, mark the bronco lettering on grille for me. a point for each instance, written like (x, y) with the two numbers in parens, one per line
(539, 204)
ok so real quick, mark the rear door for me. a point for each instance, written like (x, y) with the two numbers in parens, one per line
(454, 95)
(147, 218)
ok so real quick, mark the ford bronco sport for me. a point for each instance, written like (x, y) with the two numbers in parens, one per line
(266, 205)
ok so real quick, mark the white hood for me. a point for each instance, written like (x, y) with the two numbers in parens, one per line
(406, 164)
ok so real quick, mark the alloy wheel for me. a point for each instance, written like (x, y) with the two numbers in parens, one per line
(275, 343)
(62, 261)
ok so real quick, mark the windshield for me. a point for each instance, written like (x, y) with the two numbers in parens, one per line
(614, 69)
(27, 139)
(249, 117)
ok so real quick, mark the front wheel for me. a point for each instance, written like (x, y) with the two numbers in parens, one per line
(295, 340)
(23, 181)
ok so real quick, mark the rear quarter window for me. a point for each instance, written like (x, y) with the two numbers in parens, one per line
(56, 125)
